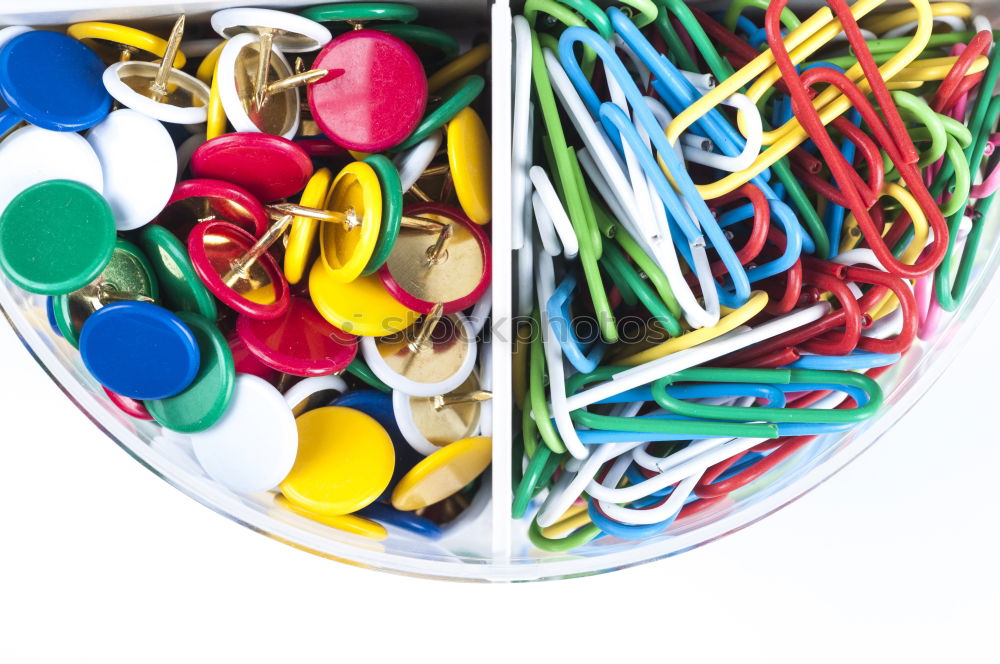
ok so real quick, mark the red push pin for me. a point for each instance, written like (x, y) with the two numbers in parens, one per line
(198, 201)
(269, 167)
(237, 269)
(375, 95)
(449, 270)
(300, 342)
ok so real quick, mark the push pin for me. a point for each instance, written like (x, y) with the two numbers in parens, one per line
(460, 67)
(206, 400)
(269, 167)
(417, 163)
(345, 461)
(357, 14)
(362, 306)
(26, 160)
(159, 90)
(351, 223)
(121, 43)
(237, 269)
(430, 423)
(468, 172)
(62, 93)
(128, 277)
(433, 45)
(345, 105)
(300, 342)
(453, 99)
(140, 166)
(258, 88)
(392, 211)
(66, 252)
(314, 392)
(451, 270)
(432, 357)
(11, 31)
(139, 350)
(257, 412)
(180, 287)
(201, 200)
(444, 473)
(253, 57)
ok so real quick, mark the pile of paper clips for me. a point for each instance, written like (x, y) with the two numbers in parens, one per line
(726, 231)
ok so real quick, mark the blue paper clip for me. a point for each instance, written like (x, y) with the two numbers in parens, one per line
(775, 396)
(679, 93)
(585, 356)
(859, 359)
(613, 116)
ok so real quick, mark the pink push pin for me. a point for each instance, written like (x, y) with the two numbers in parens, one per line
(323, 148)
(129, 406)
(300, 343)
(246, 362)
(237, 269)
(198, 201)
(269, 167)
(448, 271)
(375, 95)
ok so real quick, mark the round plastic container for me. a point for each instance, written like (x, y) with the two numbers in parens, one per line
(484, 545)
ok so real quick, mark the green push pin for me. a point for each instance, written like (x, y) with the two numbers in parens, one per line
(205, 401)
(56, 237)
(392, 211)
(182, 289)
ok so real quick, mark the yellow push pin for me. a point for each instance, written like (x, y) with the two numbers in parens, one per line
(467, 173)
(345, 248)
(458, 68)
(362, 307)
(298, 250)
(159, 90)
(349, 523)
(349, 218)
(345, 461)
(443, 474)
(121, 43)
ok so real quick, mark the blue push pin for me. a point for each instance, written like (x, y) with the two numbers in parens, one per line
(51, 313)
(408, 521)
(139, 350)
(52, 81)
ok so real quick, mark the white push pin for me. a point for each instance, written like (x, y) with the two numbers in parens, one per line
(157, 89)
(432, 357)
(139, 164)
(257, 86)
(30, 155)
(430, 423)
(253, 447)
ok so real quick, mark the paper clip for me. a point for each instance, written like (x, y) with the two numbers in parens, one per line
(811, 34)
(574, 349)
(614, 117)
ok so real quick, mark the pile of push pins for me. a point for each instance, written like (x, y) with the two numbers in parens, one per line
(728, 225)
(218, 250)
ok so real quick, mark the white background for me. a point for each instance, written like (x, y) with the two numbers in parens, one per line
(895, 558)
